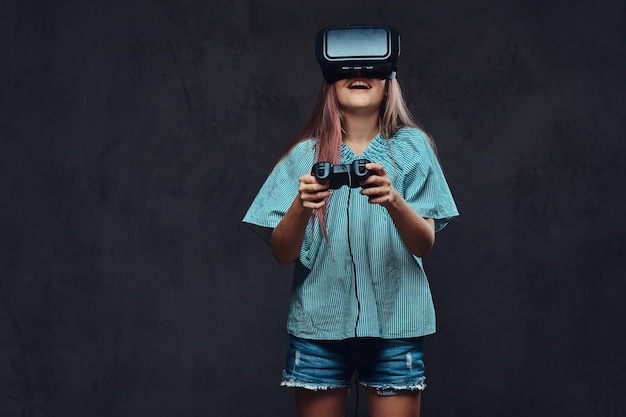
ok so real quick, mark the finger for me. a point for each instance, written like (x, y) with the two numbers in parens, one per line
(313, 186)
(375, 181)
(376, 191)
(314, 204)
(368, 188)
(378, 199)
(369, 182)
(321, 195)
(309, 179)
(372, 191)
(377, 168)
(314, 189)
(315, 197)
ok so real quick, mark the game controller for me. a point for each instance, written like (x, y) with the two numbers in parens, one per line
(344, 174)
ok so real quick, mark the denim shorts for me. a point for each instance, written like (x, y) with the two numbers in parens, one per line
(390, 366)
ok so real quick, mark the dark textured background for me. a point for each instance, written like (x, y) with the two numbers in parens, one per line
(134, 135)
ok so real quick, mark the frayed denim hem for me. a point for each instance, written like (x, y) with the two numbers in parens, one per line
(385, 390)
(293, 383)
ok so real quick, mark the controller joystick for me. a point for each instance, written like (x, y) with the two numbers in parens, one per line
(343, 174)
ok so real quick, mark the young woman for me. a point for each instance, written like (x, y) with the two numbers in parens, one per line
(360, 304)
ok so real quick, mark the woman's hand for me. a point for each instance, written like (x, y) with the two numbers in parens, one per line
(417, 232)
(288, 235)
(378, 187)
(312, 194)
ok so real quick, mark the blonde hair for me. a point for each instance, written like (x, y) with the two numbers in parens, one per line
(325, 123)
(395, 114)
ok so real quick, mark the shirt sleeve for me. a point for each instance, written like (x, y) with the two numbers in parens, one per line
(425, 186)
(279, 190)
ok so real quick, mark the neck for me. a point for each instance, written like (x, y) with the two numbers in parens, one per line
(360, 128)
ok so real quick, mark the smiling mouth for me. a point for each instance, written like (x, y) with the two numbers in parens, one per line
(359, 85)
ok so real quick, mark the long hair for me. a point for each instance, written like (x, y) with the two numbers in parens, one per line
(326, 127)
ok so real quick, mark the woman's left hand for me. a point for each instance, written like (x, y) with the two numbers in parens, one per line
(417, 233)
(378, 187)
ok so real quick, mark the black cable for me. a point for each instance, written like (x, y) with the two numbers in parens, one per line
(358, 301)
(356, 288)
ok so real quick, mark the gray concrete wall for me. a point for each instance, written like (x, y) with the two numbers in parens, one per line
(134, 135)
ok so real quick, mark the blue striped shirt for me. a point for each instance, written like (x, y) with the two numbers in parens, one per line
(363, 281)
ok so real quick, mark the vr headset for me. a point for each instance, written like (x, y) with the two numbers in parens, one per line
(347, 51)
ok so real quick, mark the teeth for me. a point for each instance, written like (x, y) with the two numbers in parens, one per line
(359, 84)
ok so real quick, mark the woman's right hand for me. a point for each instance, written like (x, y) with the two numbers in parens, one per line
(288, 235)
(312, 194)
